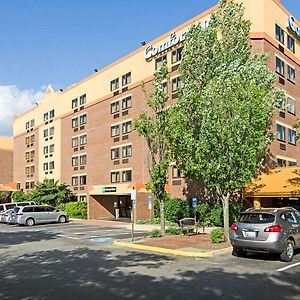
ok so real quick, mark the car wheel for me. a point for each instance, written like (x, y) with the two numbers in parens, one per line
(238, 252)
(62, 219)
(30, 222)
(288, 252)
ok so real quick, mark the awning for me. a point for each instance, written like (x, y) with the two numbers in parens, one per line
(278, 182)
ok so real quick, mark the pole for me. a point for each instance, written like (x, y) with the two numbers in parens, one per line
(133, 205)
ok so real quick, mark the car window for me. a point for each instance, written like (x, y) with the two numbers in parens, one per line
(28, 209)
(49, 209)
(1, 208)
(9, 206)
(16, 209)
(39, 209)
(256, 218)
(290, 218)
(297, 215)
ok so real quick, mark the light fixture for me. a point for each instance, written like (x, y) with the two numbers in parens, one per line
(61, 90)
(143, 43)
(95, 70)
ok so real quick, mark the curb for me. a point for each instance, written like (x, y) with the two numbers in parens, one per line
(164, 250)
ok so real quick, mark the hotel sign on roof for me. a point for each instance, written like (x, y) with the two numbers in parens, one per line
(293, 27)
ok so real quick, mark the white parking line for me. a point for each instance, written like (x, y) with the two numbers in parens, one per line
(288, 267)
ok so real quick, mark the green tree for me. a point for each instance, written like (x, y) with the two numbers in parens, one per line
(20, 196)
(49, 192)
(154, 126)
(4, 196)
(222, 121)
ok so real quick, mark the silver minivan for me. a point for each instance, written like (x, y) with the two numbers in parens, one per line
(38, 214)
(10, 205)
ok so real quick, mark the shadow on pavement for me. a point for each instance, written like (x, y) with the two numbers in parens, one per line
(99, 274)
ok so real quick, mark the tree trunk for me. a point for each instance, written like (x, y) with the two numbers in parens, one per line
(162, 217)
(225, 202)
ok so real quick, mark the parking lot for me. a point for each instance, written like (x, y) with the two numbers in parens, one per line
(79, 261)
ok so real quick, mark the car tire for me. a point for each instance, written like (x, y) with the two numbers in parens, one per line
(30, 222)
(238, 252)
(288, 252)
(62, 219)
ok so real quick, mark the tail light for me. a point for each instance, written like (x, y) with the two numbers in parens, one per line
(19, 214)
(234, 227)
(274, 228)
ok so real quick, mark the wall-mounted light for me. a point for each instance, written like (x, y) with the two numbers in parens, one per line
(95, 70)
(61, 90)
(143, 43)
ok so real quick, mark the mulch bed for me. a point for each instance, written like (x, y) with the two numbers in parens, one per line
(199, 241)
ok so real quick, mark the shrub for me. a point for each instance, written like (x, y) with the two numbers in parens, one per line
(216, 215)
(176, 209)
(20, 196)
(217, 235)
(74, 209)
(155, 233)
(173, 231)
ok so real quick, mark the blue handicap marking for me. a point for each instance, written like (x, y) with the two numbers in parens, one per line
(102, 240)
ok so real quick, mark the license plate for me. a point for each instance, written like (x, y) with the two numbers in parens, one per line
(250, 234)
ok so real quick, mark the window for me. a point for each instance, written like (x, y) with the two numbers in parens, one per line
(27, 125)
(291, 105)
(45, 168)
(280, 135)
(114, 84)
(177, 55)
(74, 122)
(31, 169)
(126, 127)
(51, 114)
(165, 87)
(83, 139)
(51, 148)
(292, 136)
(74, 103)
(75, 161)
(176, 84)
(115, 130)
(114, 107)
(46, 117)
(176, 173)
(114, 177)
(27, 141)
(82, 180)
(126, 175)
(291, 74)
(279, 33)
(46, 132)
(31, 184)
(83, 119)
(51, 130)
(75, 142)
(83, 159)
(46, 150)
(126, 102)
(127, 151)
(32, 123)
(160, 61)
(82, 198)
(27, 155)
(279, 66)
(115, 153)
(126, 79)
(292, 163)
(281, 162)
(26, 185)
(18, 185)
(74, 180)
(291, 43)
(82, 99)
(27, 170)
(32, 154)
(32, 138)
(51, 165)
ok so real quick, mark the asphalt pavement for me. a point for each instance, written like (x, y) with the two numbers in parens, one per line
(61, 261)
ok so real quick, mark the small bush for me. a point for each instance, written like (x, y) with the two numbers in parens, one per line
(75, 209)
(155, 233)
(173, 231)
(217, 236)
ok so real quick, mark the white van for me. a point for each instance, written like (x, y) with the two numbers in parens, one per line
(6, 206)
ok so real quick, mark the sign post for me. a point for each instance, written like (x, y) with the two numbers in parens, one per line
(194, 205)
(133, 206)
(150, 205)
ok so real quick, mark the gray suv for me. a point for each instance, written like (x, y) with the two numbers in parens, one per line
(37, 214)
(270, 230)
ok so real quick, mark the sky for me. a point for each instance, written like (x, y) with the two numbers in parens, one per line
(60, 42)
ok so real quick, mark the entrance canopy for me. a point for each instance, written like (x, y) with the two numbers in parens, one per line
(279, 182)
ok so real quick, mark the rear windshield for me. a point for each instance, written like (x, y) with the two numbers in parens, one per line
(9, 206)
(256, 218)
(16, 209)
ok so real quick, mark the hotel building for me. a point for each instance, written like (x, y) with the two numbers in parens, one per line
(6, 160)
(84, 136)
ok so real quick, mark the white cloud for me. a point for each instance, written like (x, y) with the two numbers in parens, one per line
(15, 101)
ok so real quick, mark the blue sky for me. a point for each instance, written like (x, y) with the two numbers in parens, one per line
(62, 41)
